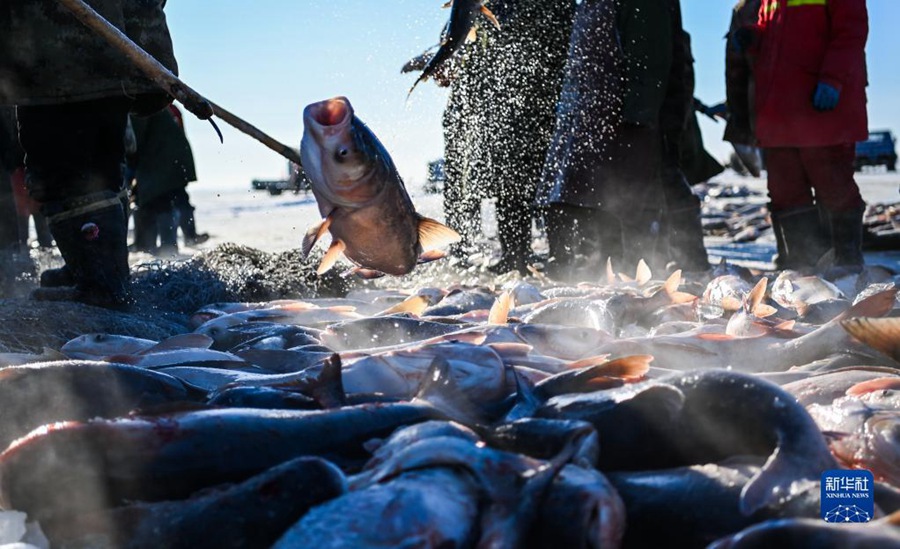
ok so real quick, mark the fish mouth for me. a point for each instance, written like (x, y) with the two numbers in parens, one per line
(330, 112)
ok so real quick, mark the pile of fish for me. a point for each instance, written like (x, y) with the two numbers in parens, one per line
(624, 413)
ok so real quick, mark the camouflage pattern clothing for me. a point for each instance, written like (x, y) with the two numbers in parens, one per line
(48, 57)
(501, 113)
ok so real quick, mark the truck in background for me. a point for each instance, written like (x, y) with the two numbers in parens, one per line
(878, 150)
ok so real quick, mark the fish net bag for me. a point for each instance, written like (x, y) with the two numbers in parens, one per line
(230, 272)
(28, 326)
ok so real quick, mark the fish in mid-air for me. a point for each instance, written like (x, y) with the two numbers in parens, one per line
(457, 30)
(362, 198)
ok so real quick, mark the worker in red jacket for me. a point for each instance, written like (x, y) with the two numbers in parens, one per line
(810, 71)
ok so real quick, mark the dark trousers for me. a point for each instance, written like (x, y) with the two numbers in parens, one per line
(73, 149)
(803, 176)
(184, 213)
(9, 229)
(155, 219)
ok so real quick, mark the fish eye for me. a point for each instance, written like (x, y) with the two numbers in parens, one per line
(99, 337)
(341, 154)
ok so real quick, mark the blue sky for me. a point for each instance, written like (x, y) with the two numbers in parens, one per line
(265, 60)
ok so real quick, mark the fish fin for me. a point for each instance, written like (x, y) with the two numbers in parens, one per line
(642, 274)
(730, 303)
(680, 298)
(526, 401)
(499, 314)
(876, 305)
(627, 367)
(715, 337)
(434, 235)
(439, 389)
(431, 255)
(475, 338)
(673, 282)
(756, 295)
(328, 390)
(471, 36)
(786, 326)
(882, 334)
(314, 234)
(331, 256)
(367, 274)
(872, 385)
(610, 273)
(625, 278)
(415, 304)
(180, 341)
(421, 77)
(763, 311)
(773, 482)
(447, 5)
(491, 17)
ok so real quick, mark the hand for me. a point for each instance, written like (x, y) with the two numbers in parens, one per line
(826, 97)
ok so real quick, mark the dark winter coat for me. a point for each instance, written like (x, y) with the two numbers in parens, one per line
(48, 57)
(163, 162)
(739, 85)
(801, 43)
(501, 110)
(605, 151)
(11, 154)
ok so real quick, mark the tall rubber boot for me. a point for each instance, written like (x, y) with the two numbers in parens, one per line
(846, 238)
(802, 240)
(91, 234)
(145, 233)
(684, 230)
(168, 233)
(514, 232)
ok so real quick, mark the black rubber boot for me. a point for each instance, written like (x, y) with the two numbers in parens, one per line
(57, 278)
(800, 239)
(91, 236)
(684, 229)
(846, 238)
(641, 240)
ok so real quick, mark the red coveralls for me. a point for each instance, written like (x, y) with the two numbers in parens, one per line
(801, 43)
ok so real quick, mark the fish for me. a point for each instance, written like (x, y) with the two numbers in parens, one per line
(428, 508)
(458, 29)
(582, 510)
(382, 331)
(364, 203)
(701, 417)
(253, 513)
(103, 463)
(699, 504)
(76, 390)
(815, 533)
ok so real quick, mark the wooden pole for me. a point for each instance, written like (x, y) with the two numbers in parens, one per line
(163, 77)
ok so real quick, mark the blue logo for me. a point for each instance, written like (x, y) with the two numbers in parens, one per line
(847, 496)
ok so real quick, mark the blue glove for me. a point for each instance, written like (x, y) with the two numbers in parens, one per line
(826, 97)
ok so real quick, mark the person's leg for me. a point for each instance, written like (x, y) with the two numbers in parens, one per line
(795, 218)
(682, 223)
(73, 161)
(184, 213)
(831, 173)
(514, 230)
(166, 227)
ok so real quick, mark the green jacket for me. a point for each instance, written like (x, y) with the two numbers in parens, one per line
(48, 57)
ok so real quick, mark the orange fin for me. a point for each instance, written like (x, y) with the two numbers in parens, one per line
(610, 273)
(876, 305)
(431, 255)
(673, 282)
(880, 384)
(331, 256)
(715, 337)
(491, 17)
(882, 334)
(730, 303)
(627, 367)
(471, 36)
(756, 295)
(642, 274)
(762, 310)
(414, 304)
(314, 234)
(434, 235)
(499, 314)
